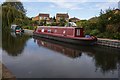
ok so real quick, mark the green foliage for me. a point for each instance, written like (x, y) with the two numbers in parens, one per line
(54, 24)
(62, 22)
(34, 23)
(16, 4)
(43, 22)
(48, 24)
(95, 32)
(107, 25)
(12, 16)
(54, 19)
(13, 45)
(29, 27)
(116, 35)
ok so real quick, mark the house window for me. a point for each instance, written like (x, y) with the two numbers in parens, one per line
(40, 18)
(44, 18)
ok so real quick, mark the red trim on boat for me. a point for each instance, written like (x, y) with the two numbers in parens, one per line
(18, 30)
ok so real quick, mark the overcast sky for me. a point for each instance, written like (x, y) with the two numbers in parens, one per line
(83, 9)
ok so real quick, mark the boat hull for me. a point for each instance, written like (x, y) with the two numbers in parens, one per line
(68, 40)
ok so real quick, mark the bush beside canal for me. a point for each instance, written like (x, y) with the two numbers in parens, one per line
(107, 25)
(29, 27)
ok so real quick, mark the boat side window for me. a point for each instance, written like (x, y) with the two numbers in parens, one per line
(64, 32)
(78, 32)
(49, 30)
(42, 30)
(55, 30)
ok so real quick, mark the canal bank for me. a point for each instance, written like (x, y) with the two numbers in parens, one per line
(6, 73)
(101, 41)
(28, 32)
(109, 42)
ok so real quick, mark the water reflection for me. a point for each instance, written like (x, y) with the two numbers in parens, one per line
(13, 43)
(16, 34)
(61, 49)
(105, 59)
(57, 59)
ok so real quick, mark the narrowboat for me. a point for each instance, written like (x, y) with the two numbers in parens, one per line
(16, 28)
(70, 34)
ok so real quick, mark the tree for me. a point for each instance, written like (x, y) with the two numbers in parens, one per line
(54, 19)
(62, 22)
(17, 4)
(10, 15)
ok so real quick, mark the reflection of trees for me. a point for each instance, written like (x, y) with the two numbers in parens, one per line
(106, 59)
(13, 45)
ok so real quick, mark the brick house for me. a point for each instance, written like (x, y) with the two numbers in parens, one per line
(62, 16)
(42, 17)
(74, 19)
(35, 18)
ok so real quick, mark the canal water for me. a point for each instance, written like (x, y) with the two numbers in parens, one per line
(33, 57)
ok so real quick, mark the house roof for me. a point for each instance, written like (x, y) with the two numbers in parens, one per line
(74, 18)
(44, 15)
(62, 15)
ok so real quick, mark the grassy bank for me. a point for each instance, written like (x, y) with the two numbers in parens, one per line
(29, 27)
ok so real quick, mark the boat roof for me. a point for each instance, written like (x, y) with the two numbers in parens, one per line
(56, 27)
(14, 25)
(68, 25)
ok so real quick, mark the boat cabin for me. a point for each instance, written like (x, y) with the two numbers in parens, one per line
(70, 30)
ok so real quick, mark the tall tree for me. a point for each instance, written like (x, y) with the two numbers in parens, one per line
(15, 3)
(62, 22)
(54, 19)
(10, 15)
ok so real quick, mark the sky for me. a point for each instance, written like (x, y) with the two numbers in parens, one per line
(82, 9)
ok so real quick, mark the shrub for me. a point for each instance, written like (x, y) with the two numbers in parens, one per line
(95, 32)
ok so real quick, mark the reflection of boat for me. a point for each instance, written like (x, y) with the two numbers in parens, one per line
(62, 49)
(106, 58)
(87, 49)
(16, 28)
(70, 34)
(15, 34)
